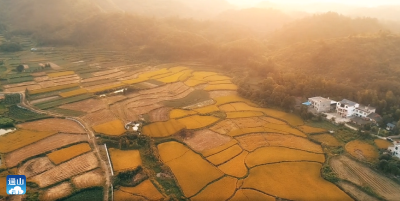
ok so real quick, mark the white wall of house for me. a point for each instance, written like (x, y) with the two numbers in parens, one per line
(346, 110)
(395, 150)
(320, 104)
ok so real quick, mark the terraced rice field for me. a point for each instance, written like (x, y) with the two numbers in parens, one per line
(362, 150)
(55, 124)
(125, 160)
(382, 144)
(90, 179)
(20, 138)
(113, 128)
(326, 139)
(35, 166)
(145, 189)
(66, 154)
(163, 129)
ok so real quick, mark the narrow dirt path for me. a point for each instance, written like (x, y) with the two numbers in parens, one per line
(92, 138)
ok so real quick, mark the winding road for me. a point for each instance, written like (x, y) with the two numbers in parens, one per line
(92, 138)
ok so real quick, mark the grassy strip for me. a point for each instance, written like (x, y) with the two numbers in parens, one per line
(50, 89)
(49, 94)
(56, 103)
(21, 114)
(18, 80)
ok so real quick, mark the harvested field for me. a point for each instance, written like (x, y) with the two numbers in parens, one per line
(66, 154)
(193, 176)
(362, 150)
(222, 93)
(249, 122)
(35, 166)
(113, 99)
(114, 128)
(222, 189)
(207, 109)
(273, 120)
(50, 89)
(206, 139)
(42, 146)
(44, 100)
(104, 77)
(196, 121)
(236, 166)
(254, 141)
(20, 138)
(199, 104)
(23, 88)
(224, 126)
(67, 170)
(18, 84)
(59, 125)
(179, 113)
(73, 93)
(312, 130)
(220, 82)
(90, 179)
(103, 85)
(89, 105)
(303, 177)
(250, 195)
(181, 76)
(268, 155)
(217, 87)
(123, 196)
(59, 74)
(125, 160)
(107, 87)
(160, 114)
(233, 115)
(326, 139)
(382, 144)
(3, 186)
(57, 192)
(245, 131)
(99, 117)
(219, 149)
(163, 129)
(285, 128)
(355, 192)
(145, 109)
(47, 84)
(222, 100)
(214, 78)
(225, 155)
(145, 189)
(359, 174)
(105, 72)
(192, 83)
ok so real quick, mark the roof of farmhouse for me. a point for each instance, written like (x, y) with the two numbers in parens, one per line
(347, 102)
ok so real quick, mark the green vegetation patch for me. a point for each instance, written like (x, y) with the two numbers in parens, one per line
(193, 98)
(59, 102)
(88, 194)
(10, 99)
(18, 80)
(22, 114)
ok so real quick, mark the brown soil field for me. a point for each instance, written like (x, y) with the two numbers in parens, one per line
(42, 146)
(90, 179)
(55, 124)
(206, 139)
(359, 174)
(105, 72)
(18, 84)
(99, 117)
(67, 170)
(57, 192)
(122, 113)
(253, 141)
(200, 104)
(35, 166)
(224, 126)
(89, 105)
(355, 192)
(43, 100)
(144, 109)
(39, 74)
(250, 122)
(47, 84)
(112, 99)
(160, 114)
(101, 85)
(216, 94)
(23, 88)
(103, 77)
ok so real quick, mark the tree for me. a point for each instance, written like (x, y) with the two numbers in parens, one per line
(20, 68)
(6, 123)
(1, 62)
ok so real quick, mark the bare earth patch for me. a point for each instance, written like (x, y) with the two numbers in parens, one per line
(160, 114)
(90, 179)
(60, 191)
(89, 105)
(216, 94)
(356, 192)
(99, 117)
(35, 166)
(206, 139)
(55, 124)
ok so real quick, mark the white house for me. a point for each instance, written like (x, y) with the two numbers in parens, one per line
(347, 108)
(320, 104)
(395, 150)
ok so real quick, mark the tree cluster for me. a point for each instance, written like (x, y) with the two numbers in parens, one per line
(389, 164)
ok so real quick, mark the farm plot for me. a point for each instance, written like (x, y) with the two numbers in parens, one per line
(219, 149)
(250, 195)
(125, 160)
(361, 175)
(73, 93)
(179, 113)
(160, 114)
(188, 99)
(362, 150)
(382, 144)
(193, 176)
(35, 166)
(99, 117)
(181, 76)
(18, 84)
(196, 121)
(66, 154)
(145, 189)
(124, 196)
(23, 88)
(205, 139)
(254, 141)
(326, 139)
(59, 102)
(312, 130)
(303, 177)
(355, 192)
(222, 93)
(59, 74)
(222, 100)
(21, 114)
(57, 192)
(216, 87)
(268, 155)
(42, 146)
(233, 115)
(90, 179)
(236, 166)
(89, 105)
(225, 155)
(67, 170)
(163, 129)
(20, 138)
(222, 189)
(207, 109)
(50, 89)
(54, 124)
(113, 128)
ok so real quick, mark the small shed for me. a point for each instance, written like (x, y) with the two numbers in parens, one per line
(390, 126)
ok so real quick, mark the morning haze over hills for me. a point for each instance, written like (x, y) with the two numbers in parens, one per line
(200, 99)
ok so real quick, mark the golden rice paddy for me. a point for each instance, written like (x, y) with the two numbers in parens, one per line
(145, 189)
(267, 155)
(59, 74)
(179, 113)
(311, 130)
(326, 139)
(193, 83)
(215, 150)
(124, 160)
(231, 99)
(171, 150)
(113, 128)
(21, 138)
(382, 144)
(207, 109)
(73, 93)
(250, 195)
(362, 150)
(221, 87)
(176, 77)
(66, 154)
(233, 115)
(225, 155)
(196, 121)
(236, 166)
(222, 189)
(163, 129)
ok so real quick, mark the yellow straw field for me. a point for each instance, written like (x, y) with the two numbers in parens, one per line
(222, 189)
(196, 121)
(171, 150)
(163, 129)
(125, 160)
(66, 154)
(145, 189)
(73, 93)
(115, 128)
(235, 167)
(21, 138)
(207, 109)
(59, 74)
(362, 150)
(382, 144)
(234, 115)
(178, 113)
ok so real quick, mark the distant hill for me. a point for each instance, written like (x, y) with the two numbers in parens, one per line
(257, 19)
(325, 26)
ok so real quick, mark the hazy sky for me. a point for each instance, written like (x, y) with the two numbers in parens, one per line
(352, 2)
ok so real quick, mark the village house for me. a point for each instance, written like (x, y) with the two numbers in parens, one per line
(395, 150)
(321, 104)
(390, 126)
(347, 108)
